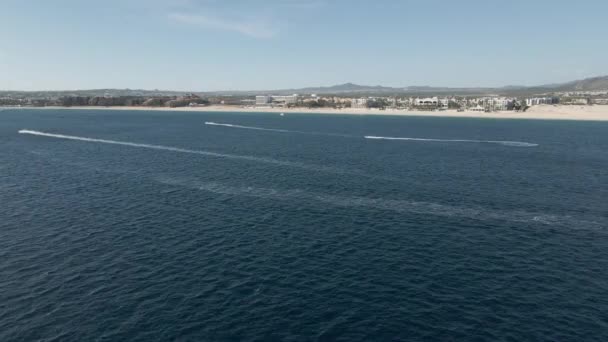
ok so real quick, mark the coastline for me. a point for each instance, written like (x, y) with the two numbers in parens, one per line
(541, 112)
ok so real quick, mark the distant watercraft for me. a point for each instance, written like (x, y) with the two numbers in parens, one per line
(282, 114)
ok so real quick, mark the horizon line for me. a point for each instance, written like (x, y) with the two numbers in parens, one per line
(307, 87)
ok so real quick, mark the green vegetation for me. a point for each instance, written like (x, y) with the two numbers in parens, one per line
(377, 103)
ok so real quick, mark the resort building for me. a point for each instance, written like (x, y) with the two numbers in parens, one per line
(359, 103)
(262, 100)
(426, 102)
(541, 100)
(289, 99)
(500, 103)
(581, 101)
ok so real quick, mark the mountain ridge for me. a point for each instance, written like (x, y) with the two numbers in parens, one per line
(597, 83)
(587, 84)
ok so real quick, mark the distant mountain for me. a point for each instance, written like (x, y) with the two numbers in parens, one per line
(590, 84)
(360, 90)
(350, 87)
(347, 89)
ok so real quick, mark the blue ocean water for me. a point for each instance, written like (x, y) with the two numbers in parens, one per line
(154, 226)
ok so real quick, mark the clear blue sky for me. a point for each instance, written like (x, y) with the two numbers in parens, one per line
(267, 44)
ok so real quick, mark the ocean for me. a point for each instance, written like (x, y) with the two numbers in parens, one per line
(177, 226)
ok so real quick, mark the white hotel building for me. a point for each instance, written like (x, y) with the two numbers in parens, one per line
(359, 103)
(263, 100)
(500, 103)
(539, 101)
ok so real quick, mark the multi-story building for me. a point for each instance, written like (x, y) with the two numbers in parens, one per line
(576, 101)
(285, 99)
(541, 100)
(500, 103)
(359, 103)
(404, 102)
(426, 102)
(262, 100)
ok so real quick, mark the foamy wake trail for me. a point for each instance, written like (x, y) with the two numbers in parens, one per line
(500, 142)
(209, 123)
(400, 206)
(310, 167)
(395, 205)
(279, 130)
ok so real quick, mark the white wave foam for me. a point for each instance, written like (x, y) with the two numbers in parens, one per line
(395, 205)
(309, 167)
(500, 142)
(400, 206)
(319, 168)
(506, 143)
(515, 143)
(250, 127)
(209, 123)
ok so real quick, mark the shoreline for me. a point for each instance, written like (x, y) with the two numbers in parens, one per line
(542, 112)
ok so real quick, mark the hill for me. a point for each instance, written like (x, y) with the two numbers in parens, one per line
(346, 89)
(590, 84)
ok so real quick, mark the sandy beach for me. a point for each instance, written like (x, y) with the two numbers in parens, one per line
(542, 112)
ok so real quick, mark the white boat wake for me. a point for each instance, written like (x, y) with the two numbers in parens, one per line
(209, 123)
(500, 142)
(309, 167)
(395, 205)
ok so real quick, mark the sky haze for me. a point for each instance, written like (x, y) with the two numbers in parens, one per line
(205, 45)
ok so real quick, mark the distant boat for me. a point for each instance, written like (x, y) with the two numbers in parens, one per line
(282, 114)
